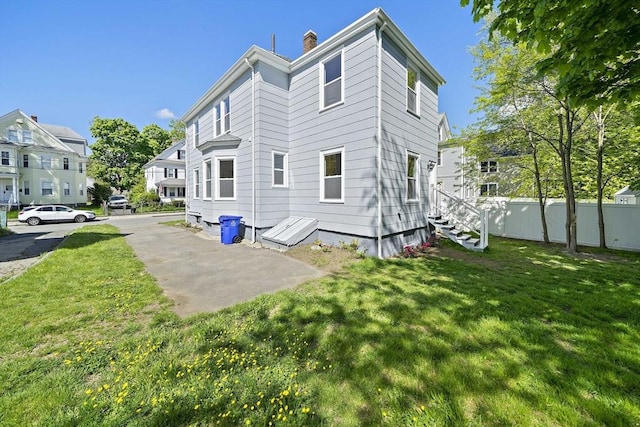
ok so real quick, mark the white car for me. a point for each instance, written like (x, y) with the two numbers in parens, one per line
(118, 201)
(53, 213)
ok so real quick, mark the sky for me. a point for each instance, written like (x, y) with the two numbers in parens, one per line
(68, 61)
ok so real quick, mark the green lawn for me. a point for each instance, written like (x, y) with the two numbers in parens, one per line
(520, 335)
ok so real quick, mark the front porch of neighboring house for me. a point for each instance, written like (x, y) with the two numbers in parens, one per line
(9, 190)
(171, 189)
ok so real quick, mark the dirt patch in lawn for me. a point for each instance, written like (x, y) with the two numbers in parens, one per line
(326, 258)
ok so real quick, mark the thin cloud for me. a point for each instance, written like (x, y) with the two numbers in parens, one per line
(165, 114)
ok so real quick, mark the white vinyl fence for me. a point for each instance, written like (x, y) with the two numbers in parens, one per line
(520, 219)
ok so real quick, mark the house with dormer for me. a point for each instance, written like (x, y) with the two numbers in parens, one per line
(335, 145)
(40, 164)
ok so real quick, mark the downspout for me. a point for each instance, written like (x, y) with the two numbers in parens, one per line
(379, 138)
(187, 150)
(253, 151)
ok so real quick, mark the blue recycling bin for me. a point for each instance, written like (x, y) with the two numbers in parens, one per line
(229, 228)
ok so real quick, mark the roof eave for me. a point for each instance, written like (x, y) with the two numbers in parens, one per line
(253, 54)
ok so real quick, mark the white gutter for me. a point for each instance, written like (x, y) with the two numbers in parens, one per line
(253, 151)
(379, 137)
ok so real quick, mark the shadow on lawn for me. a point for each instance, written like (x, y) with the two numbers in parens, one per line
(563, 347)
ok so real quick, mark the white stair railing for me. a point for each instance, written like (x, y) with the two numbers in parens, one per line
(463, 213)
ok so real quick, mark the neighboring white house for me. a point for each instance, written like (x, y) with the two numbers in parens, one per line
(336, 144)
(39, 167)
(165, 173)
(626, 196)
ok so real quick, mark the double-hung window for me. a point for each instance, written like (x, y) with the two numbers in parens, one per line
(413, 177)
(196, 133)
(80, 190)
(80, 167)
(222, 118)
(413, 90)
(12, 135)
(4, 156)
(331, 81)
(280, 169)
(439, 158)
(207, 179)
(489, 166)
(196, 183)
(65, 163)
(46, 188)
(225, 178)
(27, 137)
(489, 189)
(26, 187)
(25, 160)
(66, 190)
(331, 175)
(45, 162)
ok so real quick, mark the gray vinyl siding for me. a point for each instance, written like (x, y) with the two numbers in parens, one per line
(450, 173)
(272, 134)
(350, 125)
(402, 132)
(240, 123)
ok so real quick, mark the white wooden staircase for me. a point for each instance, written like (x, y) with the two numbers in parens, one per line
(460, 222)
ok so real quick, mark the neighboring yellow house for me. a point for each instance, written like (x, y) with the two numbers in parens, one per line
(40, 164)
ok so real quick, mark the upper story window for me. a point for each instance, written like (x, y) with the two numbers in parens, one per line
(225, 179)
(180, 154)
(12, 135)
(280, 169)
(45, 162)
(413, 177)
(331, 79)
(331, 175)
(4, 158)
(65, 163)
(413, 90)
(222, 119)
(80, 167)
(25, 160)
(19, 135)
(27, 137)
(489, 166)
(196, 133)
(439, 158)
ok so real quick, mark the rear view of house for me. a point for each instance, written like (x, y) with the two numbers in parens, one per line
(336, 144)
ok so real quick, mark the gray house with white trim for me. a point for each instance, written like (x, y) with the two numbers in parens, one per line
(335, 145)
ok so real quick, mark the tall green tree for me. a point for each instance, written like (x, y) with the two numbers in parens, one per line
(119, 152)
(157, 139)
(177, 130)
(593, 47)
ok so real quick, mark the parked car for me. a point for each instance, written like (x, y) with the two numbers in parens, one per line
(53, 213)
(118, 201)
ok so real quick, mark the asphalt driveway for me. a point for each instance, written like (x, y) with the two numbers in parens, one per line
(195, 270)
(202, 275)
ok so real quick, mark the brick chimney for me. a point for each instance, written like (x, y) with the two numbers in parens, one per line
(309, 41)
(34, 118)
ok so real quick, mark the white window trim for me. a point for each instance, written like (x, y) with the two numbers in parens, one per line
(342, 176)
(224, 111)
(322, 107)
(235, 177)
(488, 184)
(49, 161)
(285, 171)
(42, 189)
(412, 67)
(196, 132)
(196, 183)
(488, 162)
(417, 177)
(26, 187)
(204, 180)
(66, 189)
(7, 158)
